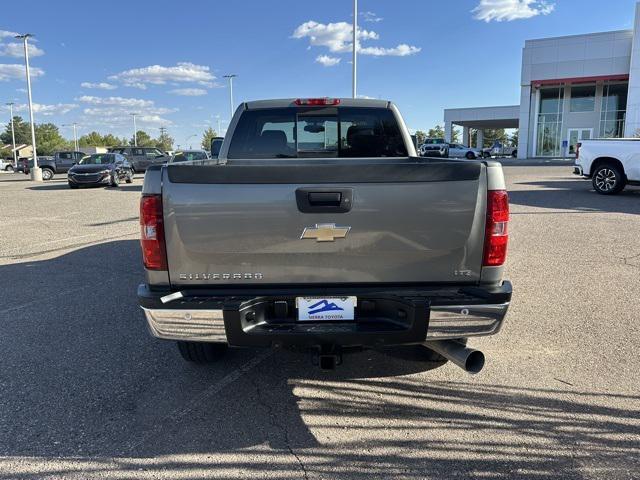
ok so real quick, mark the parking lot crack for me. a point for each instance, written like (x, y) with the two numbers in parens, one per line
(273, 419)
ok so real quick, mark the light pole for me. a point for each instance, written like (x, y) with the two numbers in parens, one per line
(189, 138)
(75, 134)
(36, 173)
(355, 48)
(135, 130)
(219, 129)
(231, 77)
(13, 137)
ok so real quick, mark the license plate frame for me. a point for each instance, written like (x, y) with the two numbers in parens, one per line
(326, 309)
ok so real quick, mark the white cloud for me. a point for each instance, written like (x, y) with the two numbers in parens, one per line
(6, 34)
(337, 37)
(508, 10)
(118, 101)
(183, 72)
(327, 60)
(189, 92)
(47, 110)
(11, 71)
(401, 50)
(117, 110)
(99, 85)
(123, 111)
(14, 49)
(371, 17)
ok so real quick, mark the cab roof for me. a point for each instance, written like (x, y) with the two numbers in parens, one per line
(291, 102)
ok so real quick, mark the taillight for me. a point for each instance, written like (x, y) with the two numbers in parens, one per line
(316, 102)
(496, 228)
(154, 251)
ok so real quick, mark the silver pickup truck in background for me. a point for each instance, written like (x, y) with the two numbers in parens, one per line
(320, 228)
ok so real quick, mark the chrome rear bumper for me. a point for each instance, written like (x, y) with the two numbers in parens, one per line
(462, 321)
(188, 325)
(446, 322)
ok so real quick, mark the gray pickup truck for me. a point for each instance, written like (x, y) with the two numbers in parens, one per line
(60, 162)
(319, 228)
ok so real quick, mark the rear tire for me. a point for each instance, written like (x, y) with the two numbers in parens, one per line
(47, 174)
(515, 154)
(470, 156)
(198, 352)
(608, 179)
(9, 168)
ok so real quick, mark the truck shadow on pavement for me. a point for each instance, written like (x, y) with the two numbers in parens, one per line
(86, 392)
(575, 195)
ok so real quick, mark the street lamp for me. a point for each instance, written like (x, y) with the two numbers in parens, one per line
(13, 137)
(75, 133)
(36, 173)
(190, 137)
(355, 47)
(135, 130)
(231, 77)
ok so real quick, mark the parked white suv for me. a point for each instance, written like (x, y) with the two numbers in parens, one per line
(611, 164)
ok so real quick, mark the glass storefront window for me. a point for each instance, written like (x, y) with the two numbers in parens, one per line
(614, 110)
(583, 98)
(549, 122)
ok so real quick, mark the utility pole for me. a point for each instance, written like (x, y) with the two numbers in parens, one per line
(36, 173)
(75, 134)
(355, 48)
(231, 77)
(13, 137)
(135, 130)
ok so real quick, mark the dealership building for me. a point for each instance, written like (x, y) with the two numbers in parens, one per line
(572, 88)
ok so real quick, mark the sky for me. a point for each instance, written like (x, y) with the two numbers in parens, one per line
(94, 63)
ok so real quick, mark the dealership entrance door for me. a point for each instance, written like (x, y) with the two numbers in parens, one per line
(575, 135)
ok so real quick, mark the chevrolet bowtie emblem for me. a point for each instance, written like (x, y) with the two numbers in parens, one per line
(325, 232)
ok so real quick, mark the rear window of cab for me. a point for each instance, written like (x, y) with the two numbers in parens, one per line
(356, 132)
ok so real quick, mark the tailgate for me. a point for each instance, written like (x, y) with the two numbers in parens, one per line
(394, 223)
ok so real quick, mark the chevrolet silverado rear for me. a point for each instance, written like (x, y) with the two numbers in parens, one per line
(319, 227)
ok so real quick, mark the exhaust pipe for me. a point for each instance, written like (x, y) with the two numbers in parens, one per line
(468, 359)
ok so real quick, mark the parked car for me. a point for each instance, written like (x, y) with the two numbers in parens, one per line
(457, 150)
(101, 169)
(60, 162)
(216, 144)
(499, 149)
(434, 147)
(295, 239)
(6, 165)
(611, 164)
(142, 158)
(189, 156)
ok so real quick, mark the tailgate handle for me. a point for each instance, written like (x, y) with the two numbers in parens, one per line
(324, 200)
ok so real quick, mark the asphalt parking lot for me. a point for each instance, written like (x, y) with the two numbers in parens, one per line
(85, 392)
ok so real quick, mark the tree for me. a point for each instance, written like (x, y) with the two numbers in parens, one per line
(93, 139)
(420, 136)
(513, 139)
(22, 129)
(49, 140)
(164, 142)
(436, 132)
(208, 135)
(144, 139)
